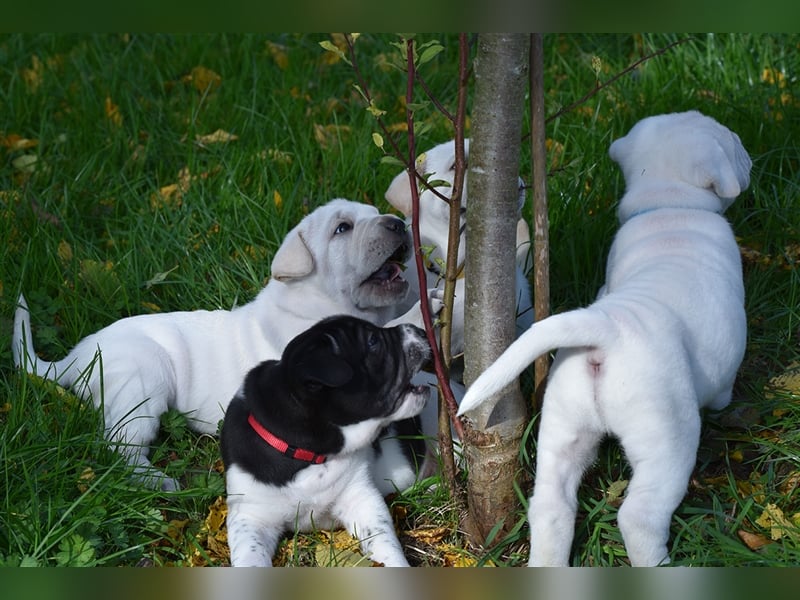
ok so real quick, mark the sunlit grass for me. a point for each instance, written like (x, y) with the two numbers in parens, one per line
(113, 201)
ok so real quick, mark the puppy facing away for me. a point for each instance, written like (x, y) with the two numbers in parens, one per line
(434, 226)
(343, 258)
(663, 340)
(298, 438)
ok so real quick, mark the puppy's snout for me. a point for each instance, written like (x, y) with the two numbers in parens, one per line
(394, 224)
(415, 344)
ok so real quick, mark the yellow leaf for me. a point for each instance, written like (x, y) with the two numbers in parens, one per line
(13, 141)
(203, 79)
(33, 76)
(377, 139)
(429, 535)
(773, 519)
(218, 137)
(85, 479)
(328, 135)
(788, 381)
(277, 199)
(112, 112)
(64, 251)
(25, 163)
(278, 54)
(5, 407)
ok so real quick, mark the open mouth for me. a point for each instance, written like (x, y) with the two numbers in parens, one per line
(392, 269)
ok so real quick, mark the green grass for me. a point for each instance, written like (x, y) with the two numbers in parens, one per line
(92, 234)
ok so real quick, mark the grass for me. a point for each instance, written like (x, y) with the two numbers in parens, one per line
(116, 207)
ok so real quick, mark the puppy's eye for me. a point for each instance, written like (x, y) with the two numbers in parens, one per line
(373, 342)
(342, 227)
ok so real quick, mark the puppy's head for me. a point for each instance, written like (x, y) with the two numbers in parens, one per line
(437, 165)
(348, 252)
(349, 374)
(687, 148)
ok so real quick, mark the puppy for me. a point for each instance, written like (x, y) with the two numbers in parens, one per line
(343, 258)
(297, 440)
(438, 164)
(663, 340)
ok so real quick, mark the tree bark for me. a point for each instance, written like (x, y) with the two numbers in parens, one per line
(492, 440)
(541, 222)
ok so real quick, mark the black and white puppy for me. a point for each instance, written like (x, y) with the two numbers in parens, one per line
(298, 438)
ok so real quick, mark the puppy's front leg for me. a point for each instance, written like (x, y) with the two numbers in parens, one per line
(252, 544)
(365, 515)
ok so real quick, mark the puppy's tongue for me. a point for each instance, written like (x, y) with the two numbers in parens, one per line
(390, 271)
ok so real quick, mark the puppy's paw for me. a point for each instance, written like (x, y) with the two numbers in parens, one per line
(436, 300)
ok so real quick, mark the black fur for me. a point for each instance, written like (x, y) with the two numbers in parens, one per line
(341, 371)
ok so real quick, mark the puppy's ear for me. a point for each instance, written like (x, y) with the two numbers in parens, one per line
(724, 167)
(293, 260)
(321, 366)
(398, 194)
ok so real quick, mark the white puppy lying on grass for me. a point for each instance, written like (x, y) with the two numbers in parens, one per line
(664, 338)
(343, 258)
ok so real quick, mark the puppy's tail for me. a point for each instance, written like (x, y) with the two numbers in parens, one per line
(22, 341)
(585, 327)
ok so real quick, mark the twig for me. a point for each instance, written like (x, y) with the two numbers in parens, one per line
(605, 84)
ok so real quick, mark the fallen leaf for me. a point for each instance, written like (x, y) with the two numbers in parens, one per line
(64, 251)
(25, 163)
(278, 54)
(85, 479)
(338, 548)
(33, 76)
(14, 141)
(203, 79)
(787, 382)
(615, 491)
(754, 541)
(112, 112)
(218, 137)
(328, 135)
(429, 535)
(277, 199)
(773, 519)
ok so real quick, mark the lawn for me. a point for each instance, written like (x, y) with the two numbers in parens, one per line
(151, 173)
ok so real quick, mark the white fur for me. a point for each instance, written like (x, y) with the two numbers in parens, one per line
(664, 338)
(139, 367)
(434, 226)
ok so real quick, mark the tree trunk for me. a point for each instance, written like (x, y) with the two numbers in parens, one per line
(492, 441)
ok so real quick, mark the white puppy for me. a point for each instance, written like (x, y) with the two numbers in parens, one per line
(438, 164)
(343, 258)
(663, 340)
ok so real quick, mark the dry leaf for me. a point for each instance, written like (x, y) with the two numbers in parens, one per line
(218, 137)
(429, 535)
(13, 141)
(85, 479)
(278, 54)
(64, 251)
(787, 382)
(112, 112)
(277, 199)
(754, 541)
(328, 135)
(773, 519)
(33, 76)
(203, 79)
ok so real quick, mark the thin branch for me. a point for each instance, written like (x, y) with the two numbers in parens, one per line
(444, 383)
(601, 86)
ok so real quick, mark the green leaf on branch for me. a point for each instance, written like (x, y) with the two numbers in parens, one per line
(331, 47)
(393, 161)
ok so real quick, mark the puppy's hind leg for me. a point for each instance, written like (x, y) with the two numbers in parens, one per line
(563, 453)
(133, 402)
(662, 457)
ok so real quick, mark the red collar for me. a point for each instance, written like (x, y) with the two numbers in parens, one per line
(283, 447)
